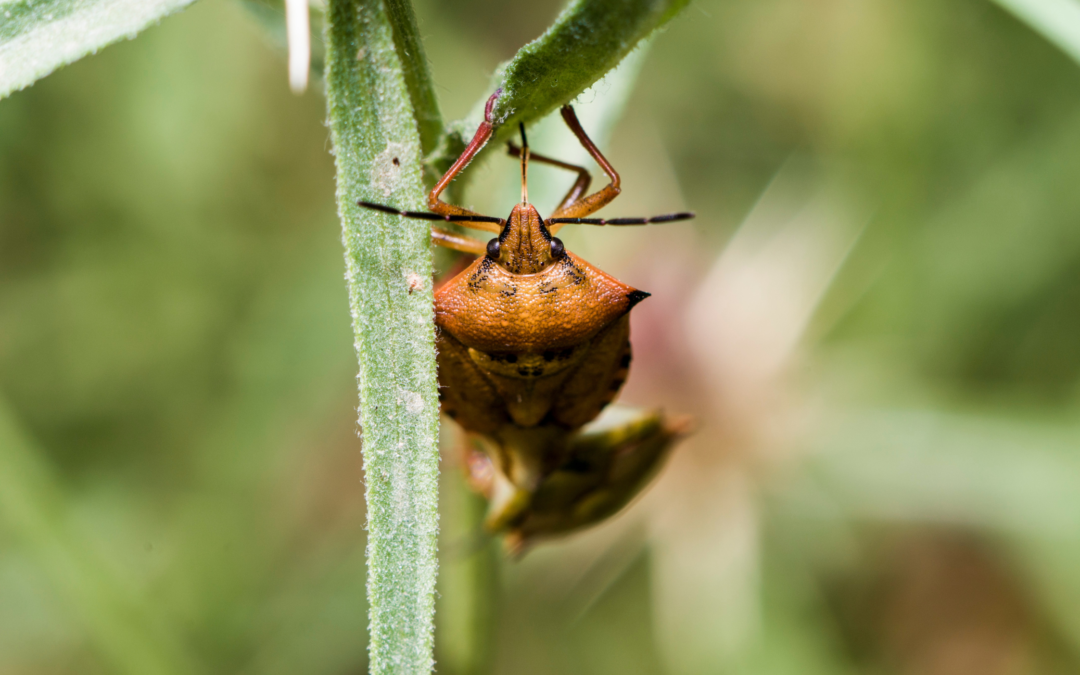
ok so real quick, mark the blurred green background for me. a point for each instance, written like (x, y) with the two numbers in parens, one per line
(875, 320)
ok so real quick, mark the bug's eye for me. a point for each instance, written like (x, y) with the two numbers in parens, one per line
(493, 248)
(557, 248)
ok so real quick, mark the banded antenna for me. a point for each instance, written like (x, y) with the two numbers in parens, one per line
(427, 215)
(666, 218)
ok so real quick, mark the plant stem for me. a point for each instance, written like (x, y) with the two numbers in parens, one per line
(484, 573)
(410, 51)
(378, 150)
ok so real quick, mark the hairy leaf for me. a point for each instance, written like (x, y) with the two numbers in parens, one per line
(588, 39)
(39, 36)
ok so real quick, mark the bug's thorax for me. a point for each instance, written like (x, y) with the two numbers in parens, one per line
(525, 243)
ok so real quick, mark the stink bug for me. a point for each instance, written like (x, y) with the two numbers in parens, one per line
(533, 342)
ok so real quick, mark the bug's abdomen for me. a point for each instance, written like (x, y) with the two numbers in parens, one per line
(567, 389)
(530, 365)
(597, 380)
(465, 393)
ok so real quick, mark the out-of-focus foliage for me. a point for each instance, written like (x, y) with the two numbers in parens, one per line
(1057, 20)
(874, 320)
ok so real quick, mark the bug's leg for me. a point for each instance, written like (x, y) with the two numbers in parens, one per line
(458, 242)
(599, 199)
(480, 139)
(576, 190)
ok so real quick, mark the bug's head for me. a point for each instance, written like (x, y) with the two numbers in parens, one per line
(525, 246)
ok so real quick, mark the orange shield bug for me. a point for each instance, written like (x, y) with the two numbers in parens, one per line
(533, 342)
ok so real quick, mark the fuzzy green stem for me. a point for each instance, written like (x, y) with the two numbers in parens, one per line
(388, 261)
(410, 51)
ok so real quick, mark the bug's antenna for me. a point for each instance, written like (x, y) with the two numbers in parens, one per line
(666, 218)
(425, 215)
(524, 165)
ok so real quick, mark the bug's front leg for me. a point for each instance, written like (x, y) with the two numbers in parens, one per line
(480, 139)
(576, 190)
(599, 199)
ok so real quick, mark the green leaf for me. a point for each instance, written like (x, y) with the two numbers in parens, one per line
(39, 36)
(388, 270)
(588, 39)
(1056, 20)
(598, 114)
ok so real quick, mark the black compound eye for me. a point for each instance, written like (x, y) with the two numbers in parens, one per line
(493, 248)
(557, 248)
